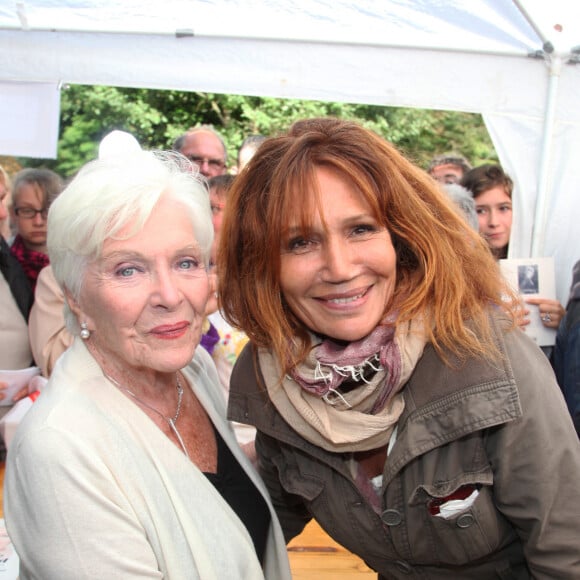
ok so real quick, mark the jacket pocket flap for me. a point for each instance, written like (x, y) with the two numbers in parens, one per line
(443, 490)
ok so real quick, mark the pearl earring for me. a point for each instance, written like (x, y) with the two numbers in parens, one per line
(85, 332)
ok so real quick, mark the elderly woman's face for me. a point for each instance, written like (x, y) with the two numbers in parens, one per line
(144, 299)
(338, 280)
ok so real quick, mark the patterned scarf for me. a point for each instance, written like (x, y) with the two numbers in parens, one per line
(32, 262)
(335, 365)
(347, 399)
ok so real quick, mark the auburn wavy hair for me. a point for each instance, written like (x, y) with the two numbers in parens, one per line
(445, 271)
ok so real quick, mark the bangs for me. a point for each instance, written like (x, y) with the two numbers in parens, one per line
(300, 203)
(300, 199)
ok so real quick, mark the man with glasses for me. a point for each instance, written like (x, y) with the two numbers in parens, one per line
(448, 168)
(204, 147)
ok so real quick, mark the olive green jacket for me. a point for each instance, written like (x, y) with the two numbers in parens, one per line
(502, 428)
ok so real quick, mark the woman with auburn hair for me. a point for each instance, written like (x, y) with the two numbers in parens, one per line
(394, 398)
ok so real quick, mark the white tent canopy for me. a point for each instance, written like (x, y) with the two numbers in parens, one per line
(514, 61)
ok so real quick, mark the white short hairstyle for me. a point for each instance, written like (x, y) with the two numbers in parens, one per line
(105, 196)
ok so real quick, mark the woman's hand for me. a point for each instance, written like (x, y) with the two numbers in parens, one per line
(551, 311)
(521, 314)
(37, 383)
(3, 386)
(23, 392)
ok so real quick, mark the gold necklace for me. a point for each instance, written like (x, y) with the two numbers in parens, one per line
(170, 420)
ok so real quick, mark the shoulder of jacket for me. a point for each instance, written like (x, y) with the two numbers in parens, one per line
(246, 370)
(434, 380)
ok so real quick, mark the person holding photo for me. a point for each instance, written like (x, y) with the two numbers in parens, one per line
(492, 190)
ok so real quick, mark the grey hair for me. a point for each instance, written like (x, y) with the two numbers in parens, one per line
(450, 159)
(108, 194)
(180, 141)
(462, 198)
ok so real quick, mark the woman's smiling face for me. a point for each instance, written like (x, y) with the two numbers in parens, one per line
(339, 277)
(144, 300)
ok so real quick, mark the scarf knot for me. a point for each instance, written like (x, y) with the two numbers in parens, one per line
(332, 364)
(32, 262)
(357, 418)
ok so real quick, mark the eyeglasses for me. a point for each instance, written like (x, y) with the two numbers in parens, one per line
(213, 163)
(448, 179)
(30, 212)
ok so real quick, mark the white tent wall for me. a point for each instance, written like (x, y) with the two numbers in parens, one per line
(466, 55)
(29, 118)
(541, 153)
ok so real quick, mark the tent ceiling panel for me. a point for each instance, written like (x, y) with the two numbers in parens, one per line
(467, 55)
(480, 25)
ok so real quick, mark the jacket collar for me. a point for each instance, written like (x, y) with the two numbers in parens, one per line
(442, 404)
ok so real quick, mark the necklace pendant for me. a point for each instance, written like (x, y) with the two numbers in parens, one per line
(169, 420)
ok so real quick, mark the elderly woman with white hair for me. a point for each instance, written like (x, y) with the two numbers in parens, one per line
(125, 467)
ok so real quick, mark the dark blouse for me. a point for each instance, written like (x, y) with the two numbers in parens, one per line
(237, 489)
(14, 275)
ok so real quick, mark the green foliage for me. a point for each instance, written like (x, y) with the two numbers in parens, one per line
(157, 117)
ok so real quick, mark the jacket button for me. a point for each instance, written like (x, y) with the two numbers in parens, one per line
(403, 566)
(465, 520)
(392, 517)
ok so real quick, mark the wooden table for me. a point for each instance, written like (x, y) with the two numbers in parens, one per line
(315, 556)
